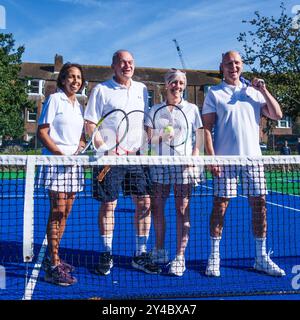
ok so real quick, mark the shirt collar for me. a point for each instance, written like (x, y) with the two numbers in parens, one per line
(182, 104)
(232, 88)
(117, 85)
(64, 97)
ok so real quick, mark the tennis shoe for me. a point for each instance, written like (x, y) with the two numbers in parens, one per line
(59, 276)
(159, 255)
(266, 265)
(143, 262)
(177, 266)
(66, 266)
(105, 264)
(213, 266)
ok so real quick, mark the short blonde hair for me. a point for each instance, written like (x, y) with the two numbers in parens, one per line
(173, 74)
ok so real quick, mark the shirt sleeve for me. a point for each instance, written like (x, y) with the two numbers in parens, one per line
(94, 108)
(48, 111)
(261, 99)
(146, 100)
(210, 103)
(149, 117)
(197, 119)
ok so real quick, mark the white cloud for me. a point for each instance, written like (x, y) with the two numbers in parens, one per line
(88, 3)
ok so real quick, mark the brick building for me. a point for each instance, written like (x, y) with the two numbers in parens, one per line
(41, 77)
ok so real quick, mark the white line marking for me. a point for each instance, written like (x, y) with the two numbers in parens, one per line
(271, 203)
(35, 272)
(276, 204)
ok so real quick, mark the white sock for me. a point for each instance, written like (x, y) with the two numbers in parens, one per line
(215, 246)
(260, 247)
(141, 244)
(179, 257)
(106, 243)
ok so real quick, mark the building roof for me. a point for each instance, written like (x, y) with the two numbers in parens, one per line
(92, 73)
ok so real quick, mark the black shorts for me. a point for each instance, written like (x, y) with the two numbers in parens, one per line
(132, 180)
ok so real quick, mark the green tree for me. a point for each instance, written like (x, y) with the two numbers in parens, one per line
(13, 97)
(272, 50)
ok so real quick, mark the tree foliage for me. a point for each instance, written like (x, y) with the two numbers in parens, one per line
(13, 97)
(272, 50)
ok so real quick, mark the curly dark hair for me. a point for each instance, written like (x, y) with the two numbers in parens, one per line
(64, 73)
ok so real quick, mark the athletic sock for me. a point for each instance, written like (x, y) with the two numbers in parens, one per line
(260, 247)
(106, 243)
(215, 246)
(141, 244)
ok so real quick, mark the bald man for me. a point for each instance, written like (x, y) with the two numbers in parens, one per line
(232, 110)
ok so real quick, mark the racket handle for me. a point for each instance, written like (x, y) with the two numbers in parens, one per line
(103, 173)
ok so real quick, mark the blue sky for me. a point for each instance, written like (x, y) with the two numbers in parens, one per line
(89, 31)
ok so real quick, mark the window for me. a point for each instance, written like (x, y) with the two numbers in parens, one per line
(30, 137)
(36, 87)
(185, 94)
(205, 89)
(150, 98)
(285, 122)
(84, 91)
(32, 115)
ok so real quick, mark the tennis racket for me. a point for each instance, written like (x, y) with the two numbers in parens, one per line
(109, 132)
(136, 141)
(171, 124)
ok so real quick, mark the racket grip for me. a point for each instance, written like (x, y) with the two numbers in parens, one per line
(103, 173)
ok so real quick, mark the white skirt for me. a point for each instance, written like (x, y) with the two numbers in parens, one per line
(176, 174)
(61, 178)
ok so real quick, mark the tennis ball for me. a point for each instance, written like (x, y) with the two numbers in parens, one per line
(169, 129)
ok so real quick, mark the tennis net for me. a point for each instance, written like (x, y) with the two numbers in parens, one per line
(25, 207)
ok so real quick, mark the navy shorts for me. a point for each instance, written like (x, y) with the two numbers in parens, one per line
(132, 180)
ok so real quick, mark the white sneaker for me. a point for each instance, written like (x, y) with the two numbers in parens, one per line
(265, 264)
(213, 267)
(159, 255)
(177, 266)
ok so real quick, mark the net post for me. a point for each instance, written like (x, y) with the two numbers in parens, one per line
(28, 210)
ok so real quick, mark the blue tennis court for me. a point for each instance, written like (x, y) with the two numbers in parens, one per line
(80, 246)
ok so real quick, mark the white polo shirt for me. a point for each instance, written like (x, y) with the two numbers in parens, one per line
(111, 95)
(238, 113)
(165, 118)
(65, 121)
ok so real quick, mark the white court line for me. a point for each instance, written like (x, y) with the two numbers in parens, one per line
(276, 204)
(268, 202)
(35, 272)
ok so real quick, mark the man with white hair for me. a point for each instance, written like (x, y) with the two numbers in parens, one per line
(232, 110)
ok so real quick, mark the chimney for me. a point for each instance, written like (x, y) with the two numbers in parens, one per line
(58, 63)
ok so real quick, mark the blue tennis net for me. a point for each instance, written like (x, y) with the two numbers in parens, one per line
(25, 205)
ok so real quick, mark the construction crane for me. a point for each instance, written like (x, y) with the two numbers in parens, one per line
(179, 53)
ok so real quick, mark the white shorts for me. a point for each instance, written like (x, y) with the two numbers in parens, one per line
(175, 174)
(252, 179)
(61, 178)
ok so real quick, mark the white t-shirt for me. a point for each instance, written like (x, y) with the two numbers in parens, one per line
(238, 112)
(164, 117)
(65, 120)
(111, 95)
